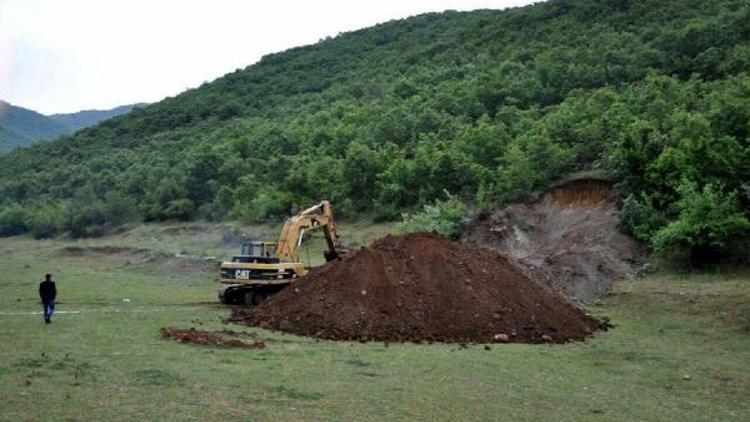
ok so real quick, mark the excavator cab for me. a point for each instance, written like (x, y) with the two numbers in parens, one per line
(258, 252)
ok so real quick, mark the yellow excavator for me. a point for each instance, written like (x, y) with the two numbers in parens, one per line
(263, 268)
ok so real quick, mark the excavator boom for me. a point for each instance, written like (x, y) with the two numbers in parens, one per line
(318, 216)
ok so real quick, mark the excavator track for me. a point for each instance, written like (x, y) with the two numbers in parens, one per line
(247, 295)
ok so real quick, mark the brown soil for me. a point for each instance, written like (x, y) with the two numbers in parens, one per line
(569, 238)
(208, 338)
(422, 287)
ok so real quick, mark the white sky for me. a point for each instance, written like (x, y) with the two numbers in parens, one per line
(69, 55)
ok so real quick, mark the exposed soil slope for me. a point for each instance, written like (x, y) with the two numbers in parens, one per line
(422, 287)
(569, 238)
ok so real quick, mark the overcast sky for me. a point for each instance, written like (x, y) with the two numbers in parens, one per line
(69, 55)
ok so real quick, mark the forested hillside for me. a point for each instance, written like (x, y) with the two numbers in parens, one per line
(22, 127)
(490, 106)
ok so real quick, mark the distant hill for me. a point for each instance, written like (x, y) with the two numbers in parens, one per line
(22, 127)
(85, 118)
(19, 127)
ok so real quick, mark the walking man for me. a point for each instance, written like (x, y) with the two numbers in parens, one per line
(48, 292)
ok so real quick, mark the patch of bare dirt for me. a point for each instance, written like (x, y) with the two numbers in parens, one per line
(570, 238)
(208, 338)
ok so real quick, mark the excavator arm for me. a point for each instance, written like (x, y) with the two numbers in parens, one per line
(318, 216)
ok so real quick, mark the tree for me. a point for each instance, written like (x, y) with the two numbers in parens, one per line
(444, 217)
(708, 219)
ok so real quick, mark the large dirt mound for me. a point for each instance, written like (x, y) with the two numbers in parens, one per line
(422, 287)
(569, 238)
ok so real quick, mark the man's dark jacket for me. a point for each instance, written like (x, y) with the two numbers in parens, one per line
(47, 291)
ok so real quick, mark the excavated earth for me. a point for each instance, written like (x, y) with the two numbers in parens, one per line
(208, 338)
(569, 239)
(421, 287)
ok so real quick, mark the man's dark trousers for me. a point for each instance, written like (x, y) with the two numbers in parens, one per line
(49, 309)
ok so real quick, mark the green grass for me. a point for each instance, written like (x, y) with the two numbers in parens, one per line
(109, 362)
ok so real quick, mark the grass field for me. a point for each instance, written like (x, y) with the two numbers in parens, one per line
(680, 350)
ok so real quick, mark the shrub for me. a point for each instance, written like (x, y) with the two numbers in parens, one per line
(44, 222)
(179, 209)
(82, 218)
(444, 217)
(119, 208)
(386, 212)
(708, 220)
(639, 217)
(13, 220)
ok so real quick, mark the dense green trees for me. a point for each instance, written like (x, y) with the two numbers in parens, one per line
(491, 106)
(706, 221)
